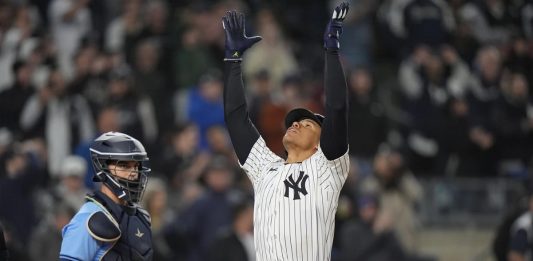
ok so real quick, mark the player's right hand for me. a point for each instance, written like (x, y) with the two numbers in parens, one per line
(334, 27)
(236, 40)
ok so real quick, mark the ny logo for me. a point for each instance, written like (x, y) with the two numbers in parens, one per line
(297, 186)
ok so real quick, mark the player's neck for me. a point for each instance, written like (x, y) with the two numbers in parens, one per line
(296, 156)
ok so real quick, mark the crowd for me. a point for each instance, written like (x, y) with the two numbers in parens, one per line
(436, 88)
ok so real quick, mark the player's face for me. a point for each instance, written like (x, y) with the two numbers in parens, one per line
(303, 134)
(125, 169)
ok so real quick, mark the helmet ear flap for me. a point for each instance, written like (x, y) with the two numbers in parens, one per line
(101, 176)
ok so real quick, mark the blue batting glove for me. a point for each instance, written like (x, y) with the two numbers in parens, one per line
(334, 27)
(236, 40)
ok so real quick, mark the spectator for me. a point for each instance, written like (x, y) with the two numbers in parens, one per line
(423, 22)
(482, 95)
(155, 202)
(513, 127)
(155, 28)
(45, 241)
(456, 144)
(212, 212)
(16, 250)
(490, 21)
(237, 242)
(429, 82)
(194, 56)
(204, 105)
(107, 120)
(64, 119)
(388, 42)
(368, 238)
(181, 160)
(260, 92)
(149, 81)
(220, 144)
(70, 22)
(83, 59)
(15, 40)
(71, 189)
(128, 23)
(365, 106)
(357, 38)
(21, 174)
(398, 192)
(526, 15)
(302, 27)
(12, 100)
(520, 59)
(136, 112)
(272, 54)
(464, 39)
(92, 82)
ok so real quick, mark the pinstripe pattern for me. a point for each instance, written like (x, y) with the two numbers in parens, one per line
(286, 228)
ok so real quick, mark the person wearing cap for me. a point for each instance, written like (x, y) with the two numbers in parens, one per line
(295, 197)
(203, 220)
(367, 237)
(71, 189)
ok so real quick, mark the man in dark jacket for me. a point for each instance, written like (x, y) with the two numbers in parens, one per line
(236, 244)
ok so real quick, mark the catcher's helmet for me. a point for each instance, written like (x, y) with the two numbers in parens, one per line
(113, 147)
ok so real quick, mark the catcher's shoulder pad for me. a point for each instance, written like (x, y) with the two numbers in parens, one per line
(103, 227)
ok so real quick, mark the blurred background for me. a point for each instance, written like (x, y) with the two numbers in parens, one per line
(441, 120)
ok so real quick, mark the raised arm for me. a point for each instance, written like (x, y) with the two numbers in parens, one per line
(242, 132)
(334, 137)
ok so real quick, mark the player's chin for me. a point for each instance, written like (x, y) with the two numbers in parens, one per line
(290, 135)
(287, 139)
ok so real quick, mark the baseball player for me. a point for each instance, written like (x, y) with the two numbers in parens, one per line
(295, 198)
(110, 225)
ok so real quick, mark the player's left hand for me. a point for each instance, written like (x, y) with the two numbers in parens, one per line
(334, 27)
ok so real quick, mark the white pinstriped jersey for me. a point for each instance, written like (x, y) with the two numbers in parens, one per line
(295, 204)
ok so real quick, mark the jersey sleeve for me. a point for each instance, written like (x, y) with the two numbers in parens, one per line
(77, 243)
(259, 158)
(333, 173)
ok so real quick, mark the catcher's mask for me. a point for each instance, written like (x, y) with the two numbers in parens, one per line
(114, 148)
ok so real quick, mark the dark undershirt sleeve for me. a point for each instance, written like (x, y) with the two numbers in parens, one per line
(242, 132)
(334, 137)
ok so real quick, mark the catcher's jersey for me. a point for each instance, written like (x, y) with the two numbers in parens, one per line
(295, 204)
